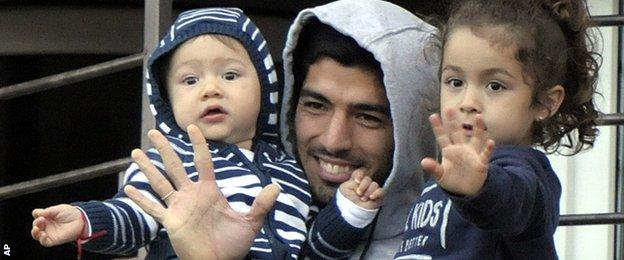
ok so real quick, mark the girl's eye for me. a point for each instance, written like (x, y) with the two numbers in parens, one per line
(495, 86)
(190, 80)
(230, 76)
(456, 83)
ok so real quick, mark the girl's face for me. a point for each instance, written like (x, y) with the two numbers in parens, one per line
(481, 78)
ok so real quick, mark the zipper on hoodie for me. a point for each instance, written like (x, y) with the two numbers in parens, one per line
(279, 250)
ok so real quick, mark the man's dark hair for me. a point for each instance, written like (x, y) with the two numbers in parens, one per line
(318, 40)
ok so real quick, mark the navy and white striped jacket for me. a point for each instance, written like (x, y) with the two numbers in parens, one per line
(239, 178)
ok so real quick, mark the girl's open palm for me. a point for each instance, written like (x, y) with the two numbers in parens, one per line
(465, 159)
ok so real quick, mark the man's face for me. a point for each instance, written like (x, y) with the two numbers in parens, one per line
(342, 123)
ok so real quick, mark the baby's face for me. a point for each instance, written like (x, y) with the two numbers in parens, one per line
(213, 84)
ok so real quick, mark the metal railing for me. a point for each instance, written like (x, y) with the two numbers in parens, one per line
(591, 219)
(607, 20)
(95, 171)
(618, 243)
(70, 77)
(611, 119)
(156, 13)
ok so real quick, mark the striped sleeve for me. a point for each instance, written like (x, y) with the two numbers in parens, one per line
(286, 223)
(128, 226)
(330, 236)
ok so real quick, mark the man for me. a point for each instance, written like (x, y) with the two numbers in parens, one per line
(340, 117)
(353, 100)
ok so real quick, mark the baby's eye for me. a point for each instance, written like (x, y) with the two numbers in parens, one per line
(230, 76)
(456, 83)
(495, 86)
(190, 80)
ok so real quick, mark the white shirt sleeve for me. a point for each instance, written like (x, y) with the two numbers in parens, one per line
(352, 213)
(87, 224)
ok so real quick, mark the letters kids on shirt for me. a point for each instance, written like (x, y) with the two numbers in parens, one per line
(514, 74)
(213, 70)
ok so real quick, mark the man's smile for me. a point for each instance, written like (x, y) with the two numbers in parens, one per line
(335, 168)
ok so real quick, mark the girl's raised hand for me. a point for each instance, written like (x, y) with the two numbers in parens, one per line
(465, 159)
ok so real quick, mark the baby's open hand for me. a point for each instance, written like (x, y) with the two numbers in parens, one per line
(56, 225)
(362, 190)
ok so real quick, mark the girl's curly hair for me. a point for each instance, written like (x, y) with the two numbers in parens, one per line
(555, 47)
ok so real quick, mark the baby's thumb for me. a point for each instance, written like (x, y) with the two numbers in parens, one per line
(36, 212)
(48, 212)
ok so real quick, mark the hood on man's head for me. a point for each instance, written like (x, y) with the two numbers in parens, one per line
(406, 48)
(230, 22)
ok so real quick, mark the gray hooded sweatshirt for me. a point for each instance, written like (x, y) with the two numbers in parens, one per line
(405, 46)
